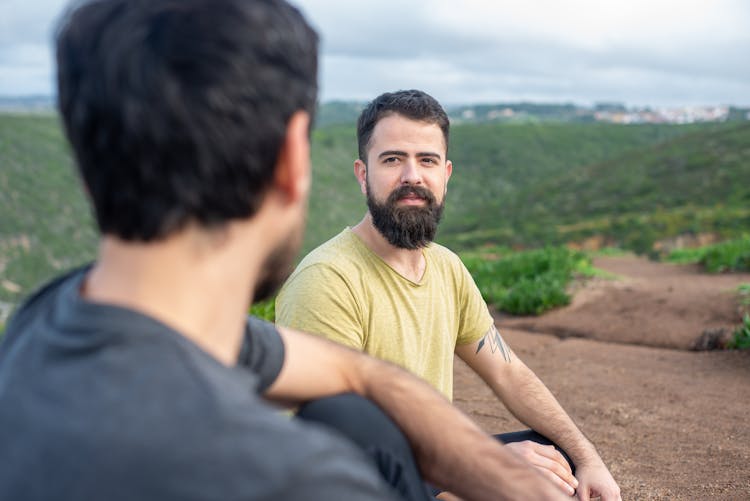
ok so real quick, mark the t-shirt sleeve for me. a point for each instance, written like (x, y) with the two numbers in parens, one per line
(475, 318)
(318, 300)
(262, 351)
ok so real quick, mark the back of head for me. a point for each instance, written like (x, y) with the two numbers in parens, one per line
(413, 104)
(177, 109)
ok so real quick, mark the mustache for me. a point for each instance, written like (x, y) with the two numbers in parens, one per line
(406, 190)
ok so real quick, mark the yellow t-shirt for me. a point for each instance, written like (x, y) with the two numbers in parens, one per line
(347, 293)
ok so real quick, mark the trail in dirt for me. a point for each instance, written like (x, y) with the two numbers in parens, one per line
(670, 423)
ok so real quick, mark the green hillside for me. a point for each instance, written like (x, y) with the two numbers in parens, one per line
(493, 194)
(513, 184)
(696, 182)
(45, 224)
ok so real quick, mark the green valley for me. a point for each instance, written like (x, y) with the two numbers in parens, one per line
(519, 185)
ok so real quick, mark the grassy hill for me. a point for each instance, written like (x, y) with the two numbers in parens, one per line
(695, 182)
(45, 224)
(494, 195)
(513, 184)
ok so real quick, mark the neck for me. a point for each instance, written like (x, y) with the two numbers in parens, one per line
(410, 263)
(197, 283)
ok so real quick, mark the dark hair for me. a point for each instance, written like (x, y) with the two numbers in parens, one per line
(413, 104)
(177, 109)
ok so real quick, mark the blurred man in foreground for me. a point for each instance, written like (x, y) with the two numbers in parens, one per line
(383, 287)
(140, 376)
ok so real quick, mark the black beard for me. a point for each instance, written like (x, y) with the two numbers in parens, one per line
(410, 227)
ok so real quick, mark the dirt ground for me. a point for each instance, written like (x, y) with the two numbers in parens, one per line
(672, 423)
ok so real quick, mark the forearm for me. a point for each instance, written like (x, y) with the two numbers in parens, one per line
(451, 450)
(533, 404)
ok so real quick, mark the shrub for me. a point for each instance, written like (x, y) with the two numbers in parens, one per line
(732, 255)
(741, 337)
(534, 296)
(530, 282)
(686, 256)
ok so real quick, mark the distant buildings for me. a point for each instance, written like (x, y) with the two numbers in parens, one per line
(603, 112)
(679, 115)
(346, 112)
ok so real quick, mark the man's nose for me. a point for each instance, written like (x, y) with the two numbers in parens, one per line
(410, 173)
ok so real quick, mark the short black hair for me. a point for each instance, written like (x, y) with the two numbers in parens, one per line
(177, 109)
(413, 104)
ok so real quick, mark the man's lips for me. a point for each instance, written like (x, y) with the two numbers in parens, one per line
(412, 199)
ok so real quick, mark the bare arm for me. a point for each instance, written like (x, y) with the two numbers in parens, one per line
(532, 403)
(440, 435)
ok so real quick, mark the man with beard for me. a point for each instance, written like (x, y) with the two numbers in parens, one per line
(383, 287)
(140, 376)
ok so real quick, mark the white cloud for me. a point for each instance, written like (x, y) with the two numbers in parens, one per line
(637, 51)
(26, 45)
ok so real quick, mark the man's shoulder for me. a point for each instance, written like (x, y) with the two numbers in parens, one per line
(39, 302)
(344, 246)
(443, 255)
(161, 451)
(343, 255)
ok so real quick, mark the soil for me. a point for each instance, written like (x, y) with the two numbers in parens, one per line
(672, 423)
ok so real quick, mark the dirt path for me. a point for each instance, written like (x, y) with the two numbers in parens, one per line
(670, 423)
(652, 304)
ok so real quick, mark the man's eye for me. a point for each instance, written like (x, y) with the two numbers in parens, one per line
(429, 160)
(390, 160)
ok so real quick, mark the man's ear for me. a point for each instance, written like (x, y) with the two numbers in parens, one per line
(448, 170)
(360, 172)
(293, 168)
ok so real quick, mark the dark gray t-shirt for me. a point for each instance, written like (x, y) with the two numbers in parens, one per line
(102, 402)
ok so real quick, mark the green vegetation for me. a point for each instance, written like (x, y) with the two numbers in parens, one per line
(519, 184)
(527, 283)
(338, 113)
(686, 256)
(523, 185)
(45, 224)
(732, 255)
(697, 182)
(744, 293)
(741, 338)
(265, 309)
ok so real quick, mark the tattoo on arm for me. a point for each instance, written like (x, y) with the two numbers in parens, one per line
(496, 343)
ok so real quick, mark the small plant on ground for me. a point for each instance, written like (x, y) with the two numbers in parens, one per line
(686, 256)
(741, 337)
(732, 255)
(744, 292)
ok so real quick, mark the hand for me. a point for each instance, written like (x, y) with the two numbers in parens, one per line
(596, 480)
(549, 462)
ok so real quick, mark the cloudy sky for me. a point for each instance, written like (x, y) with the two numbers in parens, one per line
(640, 52)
